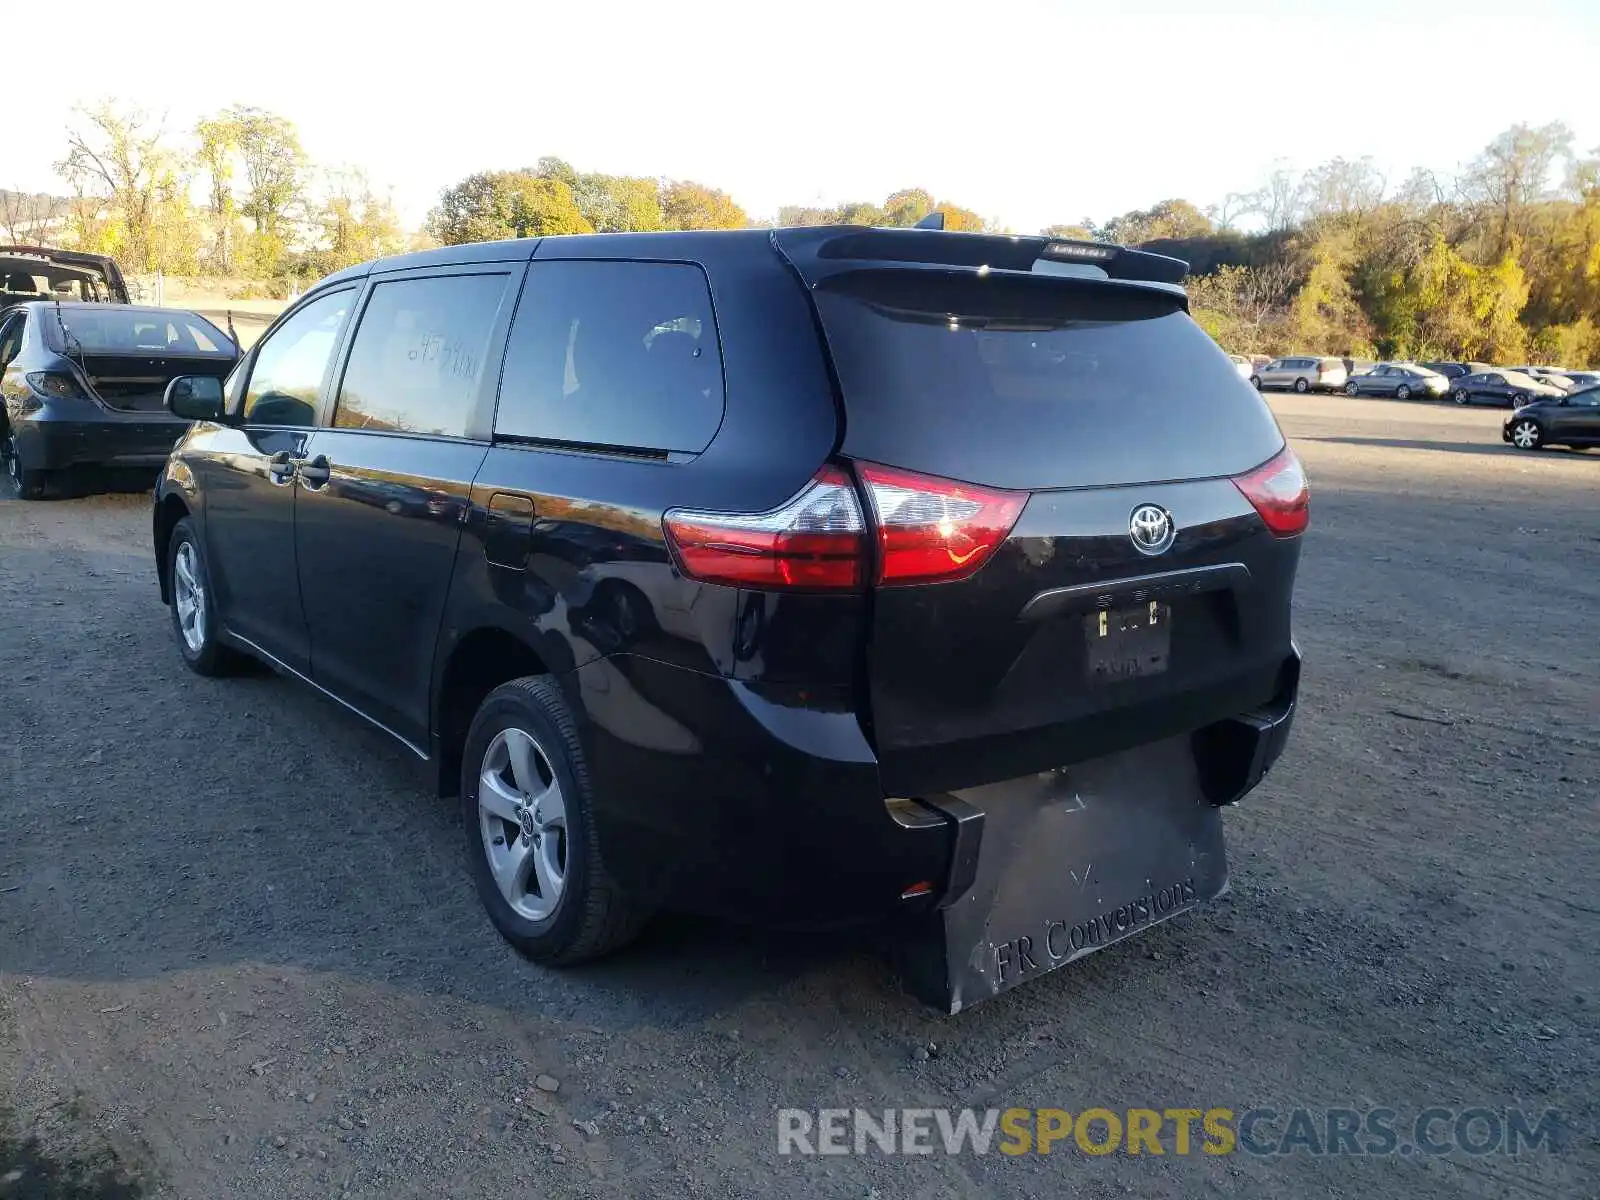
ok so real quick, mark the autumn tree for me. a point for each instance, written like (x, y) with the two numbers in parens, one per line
(130, 188)
(907, 206)
(609, 203)
(686, 205)
(354, 223)
(1276, 201)
(505, 204)
(1170, 219)
(218, 138)
(1340, 187)
(1513, 172)
(1082, 232)
(30, 217)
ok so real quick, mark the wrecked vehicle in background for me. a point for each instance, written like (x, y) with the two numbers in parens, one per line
(38, 273)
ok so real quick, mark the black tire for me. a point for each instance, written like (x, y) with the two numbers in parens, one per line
(28, 482)
(1402, 392)
(1461, 396)
(1301, 386)
(1518, 399)
(1351, 389)
(1255, 382)
(592, 916)
(1530, 431)
(208, 656)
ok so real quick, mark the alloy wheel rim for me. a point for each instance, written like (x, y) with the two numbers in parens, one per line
(1525, 434)
(189, 595)
(522, 817)
(13, 467)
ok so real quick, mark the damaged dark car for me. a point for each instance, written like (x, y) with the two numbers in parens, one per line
(41, 273)
(807, 577)
(83, 385)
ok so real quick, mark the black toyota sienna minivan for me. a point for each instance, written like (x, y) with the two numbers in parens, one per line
(807, 576)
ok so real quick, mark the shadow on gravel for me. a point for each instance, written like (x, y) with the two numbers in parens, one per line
(28, 1172)
(95, 481)
(1423, 444)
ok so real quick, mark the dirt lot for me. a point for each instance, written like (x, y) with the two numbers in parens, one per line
(239, 955)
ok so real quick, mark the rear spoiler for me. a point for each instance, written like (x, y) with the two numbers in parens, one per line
(997, 252)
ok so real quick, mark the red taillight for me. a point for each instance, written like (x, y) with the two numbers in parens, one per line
(935, 530)
(1278, 491)
(815, 542)
(55, 384)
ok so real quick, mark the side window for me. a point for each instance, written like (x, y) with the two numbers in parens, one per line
(10, 340)
(1585, 399)
(613, 354)
(290, 365)
(418, 355)
(1493, 380)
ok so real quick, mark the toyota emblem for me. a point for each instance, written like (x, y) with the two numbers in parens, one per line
(1152, 529)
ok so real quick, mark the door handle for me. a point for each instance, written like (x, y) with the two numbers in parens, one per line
(280, 468)
(312, 471)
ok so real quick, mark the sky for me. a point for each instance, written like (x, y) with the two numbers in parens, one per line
(1028, 112)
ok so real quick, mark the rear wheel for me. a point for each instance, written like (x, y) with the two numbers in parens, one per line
(1462, 396)
(1300, 385)
(531, 840)
(1518, 399)
(28, 482)
(1526, 435)
(1402, 392)
(1255, 382)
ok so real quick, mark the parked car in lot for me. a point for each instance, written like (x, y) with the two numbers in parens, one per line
(1402, 381)
(81, 384)
(38, 273)
(925, 648)
(1500, 387)
(1302, 373)
(1584, 379)
(1570, 420)
(1243, 365)
(1455, 370)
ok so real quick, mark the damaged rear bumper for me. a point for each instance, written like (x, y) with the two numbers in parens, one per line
(1053, 866)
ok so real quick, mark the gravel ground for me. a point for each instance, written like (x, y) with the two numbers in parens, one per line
(239, 954)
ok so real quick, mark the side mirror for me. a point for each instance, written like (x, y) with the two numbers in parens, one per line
(195, 397)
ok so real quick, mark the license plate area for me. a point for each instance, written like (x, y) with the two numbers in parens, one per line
(1127, 643)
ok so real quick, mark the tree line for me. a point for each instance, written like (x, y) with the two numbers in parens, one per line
(552, 198)
(268, 212)
(1501, 262)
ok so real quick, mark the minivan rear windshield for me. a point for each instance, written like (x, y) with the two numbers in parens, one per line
(136, 331)
(1035, 382)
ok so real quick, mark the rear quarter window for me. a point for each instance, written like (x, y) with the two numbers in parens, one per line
(620, 355)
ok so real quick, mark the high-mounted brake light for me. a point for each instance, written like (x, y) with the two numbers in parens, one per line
(814, 542)
(1079, 251)
(1278, 491)
(934, 530)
